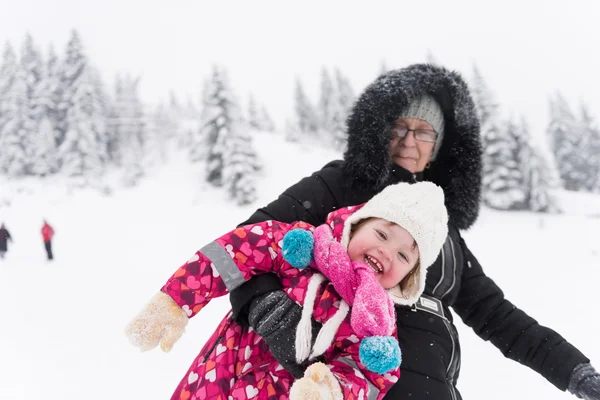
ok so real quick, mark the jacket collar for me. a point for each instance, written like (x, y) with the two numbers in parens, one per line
(399, 174)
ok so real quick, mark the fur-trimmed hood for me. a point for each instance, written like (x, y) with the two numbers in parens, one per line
(458, 166)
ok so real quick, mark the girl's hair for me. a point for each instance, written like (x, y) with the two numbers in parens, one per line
(410, 280)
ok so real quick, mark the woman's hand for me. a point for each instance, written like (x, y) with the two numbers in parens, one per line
(585, 382)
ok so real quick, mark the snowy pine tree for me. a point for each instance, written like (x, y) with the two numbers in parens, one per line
(43, 155)
(70, 73)
(220, 116)
(327, 103)
(203, 139)
(266, 122)
(522, 156)
(84, 149)
(594, 152)
(8, 74)
(128, 130)
(161, 128)
(31, 65)
(82, 126)
(589, 149)
(258, 117)
(344, 101)
(291, 131)
(502, 180)
(190, 110)
(493, 144)
(231, 160)
(308, 121)
(253, 114)
(14, 118)
(177, 114)
(174, 102)
(52, 83)
(543, 178)
(564, 134)
(114, 124)
(338, 126)
(241, 166)
(45, 103)
(485, 103)
(346, 96)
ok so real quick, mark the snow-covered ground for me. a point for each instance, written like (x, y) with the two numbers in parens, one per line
(61, 323)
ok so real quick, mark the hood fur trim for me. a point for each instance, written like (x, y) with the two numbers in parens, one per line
(458, 167)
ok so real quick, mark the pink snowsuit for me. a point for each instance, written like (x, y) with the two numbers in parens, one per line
(236, 363)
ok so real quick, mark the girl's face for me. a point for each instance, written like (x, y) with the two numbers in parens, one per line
(387, 248)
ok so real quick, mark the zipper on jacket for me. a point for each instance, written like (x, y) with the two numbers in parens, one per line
(212, 347)
(221, 336)
(443, 272)
(451, 370)
(453, 268)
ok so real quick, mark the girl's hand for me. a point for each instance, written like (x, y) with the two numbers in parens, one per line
(160, 321)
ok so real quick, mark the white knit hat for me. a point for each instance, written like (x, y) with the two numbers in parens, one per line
(418, 208)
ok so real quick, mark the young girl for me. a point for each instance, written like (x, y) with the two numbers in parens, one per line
(392, 238)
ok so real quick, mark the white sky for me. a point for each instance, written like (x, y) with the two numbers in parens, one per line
(526, 50)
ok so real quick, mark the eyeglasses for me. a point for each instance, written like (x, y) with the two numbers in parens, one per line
(423, 135)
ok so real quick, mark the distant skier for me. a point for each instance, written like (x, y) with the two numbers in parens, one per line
(4, 238)
(47, 234)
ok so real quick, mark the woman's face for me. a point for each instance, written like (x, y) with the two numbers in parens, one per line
(387, 248)
(408, 152)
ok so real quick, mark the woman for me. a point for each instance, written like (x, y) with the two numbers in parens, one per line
(4, 238)
(413, 124)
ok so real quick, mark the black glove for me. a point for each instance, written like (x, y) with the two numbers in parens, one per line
(274, 316)
(585, 382)
(242, 297)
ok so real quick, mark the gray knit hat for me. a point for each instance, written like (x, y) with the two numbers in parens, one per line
(427, 109)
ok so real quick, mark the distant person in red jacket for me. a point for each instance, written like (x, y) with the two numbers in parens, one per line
(47, 234)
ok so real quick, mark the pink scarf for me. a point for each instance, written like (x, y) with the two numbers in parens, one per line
(372, 312)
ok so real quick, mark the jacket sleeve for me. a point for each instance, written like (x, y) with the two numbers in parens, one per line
(226, 263)
(482, 306)
(356, 380)
(309, 200)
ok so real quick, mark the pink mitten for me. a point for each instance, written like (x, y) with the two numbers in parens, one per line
(373, 309)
